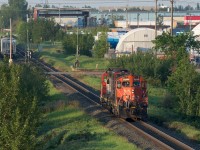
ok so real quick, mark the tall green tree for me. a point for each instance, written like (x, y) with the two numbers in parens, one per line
(18, 8)
(171, 44)
(21, 31)
(101, 46)
(5, 16)
(23, 89)
(184, 83)
(38, 31)
(85, 43)
(145, 64)
(69, 44)
(176, 47)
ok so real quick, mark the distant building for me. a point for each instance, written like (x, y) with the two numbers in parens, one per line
(163, 6)
(196, 31)
(136, 39)
(191, 20)
(113, 38)
(143, 24)
(64, 16)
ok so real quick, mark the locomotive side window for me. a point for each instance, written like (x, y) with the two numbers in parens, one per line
(118, 84)
(126, 83)
(136, 83)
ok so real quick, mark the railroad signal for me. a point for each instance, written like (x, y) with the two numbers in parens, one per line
(78, 52)
(28, 55)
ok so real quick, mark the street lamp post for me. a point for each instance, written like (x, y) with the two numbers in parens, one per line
(156, 11)
(10, 60)
(77, 43)
(59, 15)
(28, 47)
(172, 11)
(77, 51)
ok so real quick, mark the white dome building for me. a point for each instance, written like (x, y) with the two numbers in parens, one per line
(136, 39)
(196, 31)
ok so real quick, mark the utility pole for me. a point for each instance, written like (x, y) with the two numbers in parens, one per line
(138, 19)
(10, 60)
(127, 16)
(77, 43)
(59, 15)
(77, 50)
(172, 10)
(156, 11)
(28, 50)
(46, 2)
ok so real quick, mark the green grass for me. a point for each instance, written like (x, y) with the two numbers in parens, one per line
(93, 81)
(163, 116)
(53, 55)
(69, 127)
(157, 111)
(54, 94)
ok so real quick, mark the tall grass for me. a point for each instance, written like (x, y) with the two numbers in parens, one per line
(159, 101)
(160, 114)
(53, 54)
(66, 126)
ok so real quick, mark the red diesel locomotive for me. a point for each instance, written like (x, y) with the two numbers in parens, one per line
(124, 94)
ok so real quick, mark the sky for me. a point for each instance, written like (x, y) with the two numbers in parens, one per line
(109, 3)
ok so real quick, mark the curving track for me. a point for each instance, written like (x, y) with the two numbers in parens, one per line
(143, 134)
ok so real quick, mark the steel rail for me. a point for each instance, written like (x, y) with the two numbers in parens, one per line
(87, 94)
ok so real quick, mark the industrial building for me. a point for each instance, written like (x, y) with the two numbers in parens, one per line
(196, 32)
(136, 39)
(66, 16)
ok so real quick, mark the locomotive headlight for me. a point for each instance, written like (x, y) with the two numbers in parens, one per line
(133, 91)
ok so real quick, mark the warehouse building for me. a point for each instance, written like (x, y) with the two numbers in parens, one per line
(136, 39)
(65, 16)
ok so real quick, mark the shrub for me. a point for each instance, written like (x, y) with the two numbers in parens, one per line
(169, 101)
(22, 88)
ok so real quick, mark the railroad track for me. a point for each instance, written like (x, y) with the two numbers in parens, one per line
(159, 139)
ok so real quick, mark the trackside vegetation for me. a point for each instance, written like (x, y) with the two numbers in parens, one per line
(23, 90)
(29, 115)
(65, 125)
(163, 108)
(54, 54)
(173, 72)
(180, 100)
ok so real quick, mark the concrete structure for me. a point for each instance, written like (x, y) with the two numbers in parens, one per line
(175, 18)
(150, 24)
(136, 39)
(64, 16)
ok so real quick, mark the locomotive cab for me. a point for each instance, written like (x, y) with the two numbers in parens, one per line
(131, 95)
